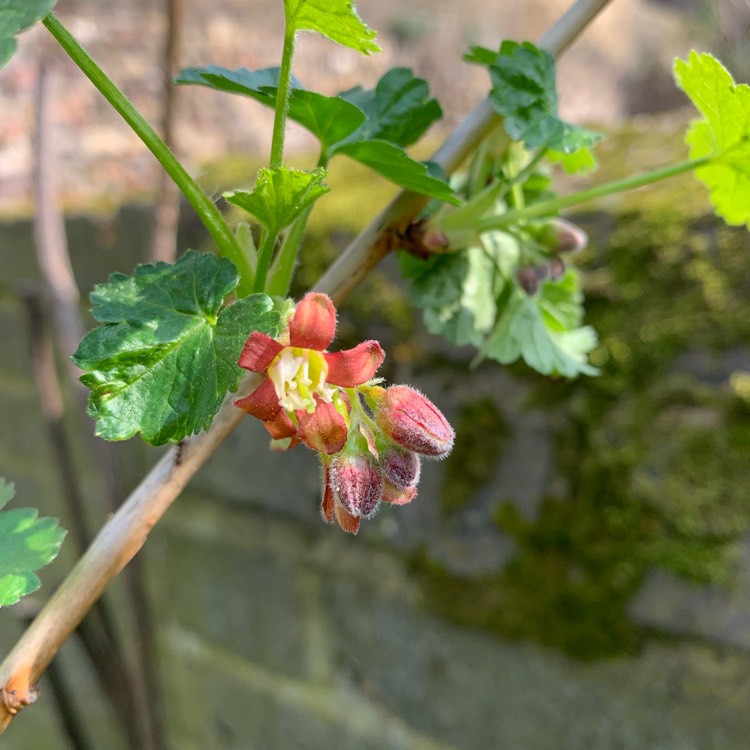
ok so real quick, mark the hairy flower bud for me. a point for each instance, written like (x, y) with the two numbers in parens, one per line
(400, 467)
(398, 495)
(356, 482)
(414, 422)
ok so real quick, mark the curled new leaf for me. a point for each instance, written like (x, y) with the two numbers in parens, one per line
(280, 196)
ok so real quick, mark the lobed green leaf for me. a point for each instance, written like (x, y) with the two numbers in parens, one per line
(167, 353)
(524, 93)
(544, 330)
(456, 295)
(27, 543)
(399, 109)
(458, 292)
(15, 17)
(723, 134)
(335, 19)
(280, 196)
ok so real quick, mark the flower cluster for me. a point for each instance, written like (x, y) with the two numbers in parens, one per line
(369, 438)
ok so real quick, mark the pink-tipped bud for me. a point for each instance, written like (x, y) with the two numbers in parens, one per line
(414, 422)
(562, 236)
(357, 483)
(400, 468)
(398, 495)
(528, 279)
(435, 240)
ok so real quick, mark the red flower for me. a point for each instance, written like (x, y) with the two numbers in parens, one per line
(300, 397)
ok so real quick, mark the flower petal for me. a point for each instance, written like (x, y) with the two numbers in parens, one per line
(281, 427)
(324, 430)
(355, 366)
(262, 403)
(259, 351)
(314, 323)
(346, 520)
(326, 506)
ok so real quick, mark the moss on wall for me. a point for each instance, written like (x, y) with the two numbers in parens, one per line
(652, 457)
(481, 432)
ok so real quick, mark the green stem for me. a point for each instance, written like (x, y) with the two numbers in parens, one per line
(283, 267)
(204, 207)
(282, 98)
(267, 241)
(543, 208)
(525, 173)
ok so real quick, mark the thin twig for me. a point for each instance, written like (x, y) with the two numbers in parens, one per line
(127, 531)
(72, 721)
(123, 683)
(97, 632)
(51, 403)
(167, 209)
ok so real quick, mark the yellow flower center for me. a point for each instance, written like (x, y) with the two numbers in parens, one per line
(298, 375)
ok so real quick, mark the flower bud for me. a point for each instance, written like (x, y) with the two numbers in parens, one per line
(556, 268)
(356, 482)
(398, 495)
(562, 236)
(414, 422)
(528, 279)
(400, 468)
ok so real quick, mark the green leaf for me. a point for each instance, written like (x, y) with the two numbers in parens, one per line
(579, 162)
(397, 105)
(456, 293)
(723, 134)
(399, 109)
(280, 196)
(478, 55)
(329, 118)
(167, 353)
(15, 16)
(524, 93)
(335, 19)
(27, 543)
(544, 331)
(396, 165)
